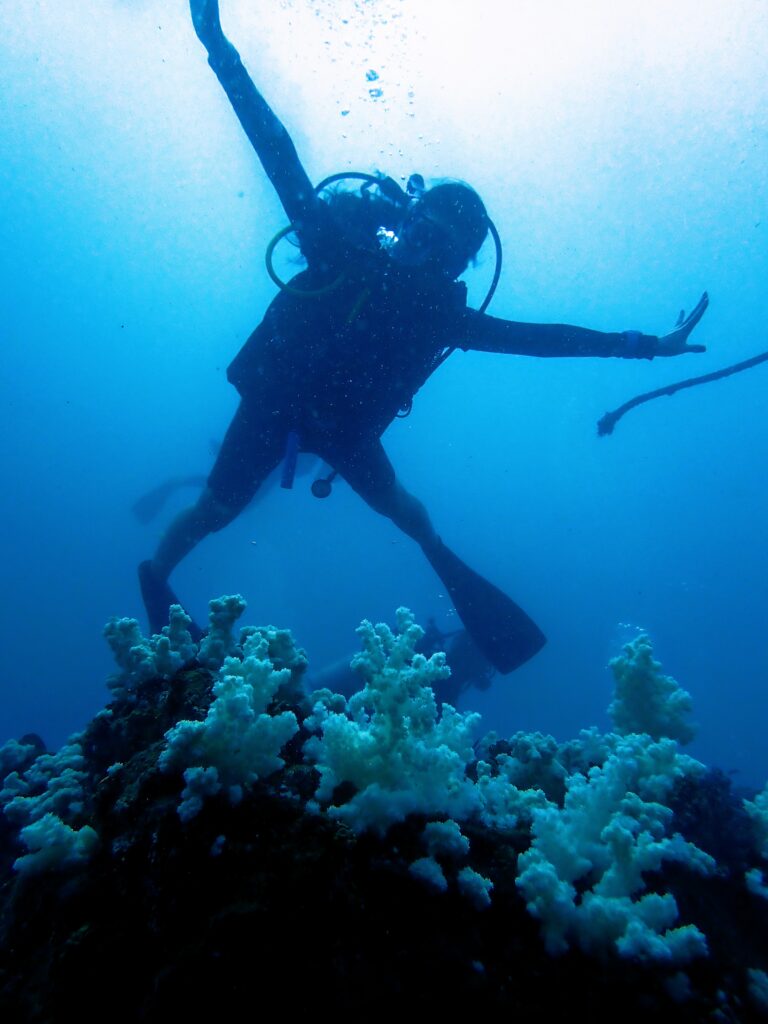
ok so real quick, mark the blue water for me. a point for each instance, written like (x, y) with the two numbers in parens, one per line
(622, 156)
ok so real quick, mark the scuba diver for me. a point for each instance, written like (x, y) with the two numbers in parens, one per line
(345, 345)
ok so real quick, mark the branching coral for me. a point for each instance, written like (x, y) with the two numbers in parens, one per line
(586, 863)
(239, 741)
(390, 742)
(647, 701)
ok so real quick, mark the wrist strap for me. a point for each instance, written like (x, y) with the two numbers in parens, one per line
(638, 345)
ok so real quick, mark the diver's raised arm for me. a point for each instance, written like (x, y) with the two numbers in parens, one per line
(485, 333)
(264, 129)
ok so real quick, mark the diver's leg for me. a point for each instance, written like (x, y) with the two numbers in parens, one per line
(370, 474)
(188, 529)
(504, 633)
(184, 533)
(250, 451)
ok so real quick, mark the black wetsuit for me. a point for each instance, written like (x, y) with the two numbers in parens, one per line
(335, 367)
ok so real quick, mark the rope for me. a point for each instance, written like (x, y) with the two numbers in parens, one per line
(607, 422)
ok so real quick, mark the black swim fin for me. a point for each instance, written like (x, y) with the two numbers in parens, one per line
(158, 598)
(505, 634)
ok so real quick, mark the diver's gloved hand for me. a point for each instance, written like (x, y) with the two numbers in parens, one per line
(205, 18)
(676, 342)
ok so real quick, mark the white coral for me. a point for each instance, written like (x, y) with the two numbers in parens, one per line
(400, 755)
(238, 742)
(610, 831)
(647, 701)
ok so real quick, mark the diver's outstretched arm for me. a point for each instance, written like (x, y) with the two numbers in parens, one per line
(485, 333)
(266, 132)
(491, 334)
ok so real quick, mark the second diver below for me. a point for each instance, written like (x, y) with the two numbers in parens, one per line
(347, 343)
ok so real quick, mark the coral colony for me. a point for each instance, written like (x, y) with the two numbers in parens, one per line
(379, 844)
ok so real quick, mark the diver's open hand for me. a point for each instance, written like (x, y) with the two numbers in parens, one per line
(676, 342)
(205, 18)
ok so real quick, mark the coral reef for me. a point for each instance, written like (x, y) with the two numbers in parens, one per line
(217, 835)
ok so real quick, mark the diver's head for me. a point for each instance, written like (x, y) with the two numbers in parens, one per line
(444, 229)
